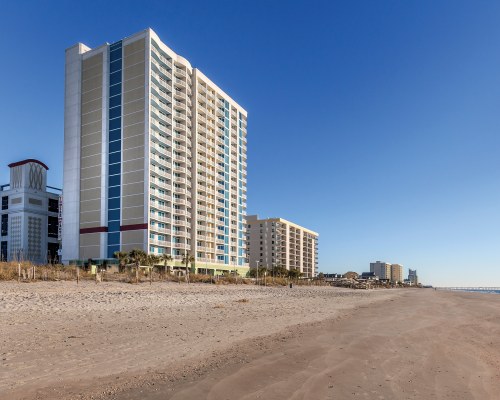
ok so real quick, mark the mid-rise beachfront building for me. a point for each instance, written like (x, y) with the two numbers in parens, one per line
(154, 157)
(391, 272)
(30, 215)
(276, 242)
(381, 269)
(396, 273)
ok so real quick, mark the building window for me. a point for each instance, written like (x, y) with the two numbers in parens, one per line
(3, 251)
(53, 205)
(53, 227)
(5, 224)
(5, 202)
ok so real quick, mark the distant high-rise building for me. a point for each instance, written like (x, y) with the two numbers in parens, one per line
(381, 269)
(29, 214)
(396, 273)
(393, 272)
(276, 242)
(412, 276)
(154, 157)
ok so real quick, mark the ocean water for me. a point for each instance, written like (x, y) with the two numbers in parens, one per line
(478, 290)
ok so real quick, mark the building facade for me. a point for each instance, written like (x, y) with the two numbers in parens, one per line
(396, 273)
(412, 276)
(391, 272)
(29, 215)
(155, 157)
(276, 242)
(381, 269)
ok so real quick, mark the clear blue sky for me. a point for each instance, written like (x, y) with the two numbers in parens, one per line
(375, 123)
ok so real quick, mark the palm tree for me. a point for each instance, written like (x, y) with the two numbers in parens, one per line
(165, 258)
(187, 259)
(122, 257)
(152, 259)
(136, 257)
(294, 273)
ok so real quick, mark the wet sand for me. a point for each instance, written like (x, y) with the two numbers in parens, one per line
(169, 341)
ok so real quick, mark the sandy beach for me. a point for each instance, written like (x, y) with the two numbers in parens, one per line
(170, 341)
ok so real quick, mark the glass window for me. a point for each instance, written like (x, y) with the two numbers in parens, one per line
(114, 191)
(115, 112)
(113, 238)
(114, 203)
(115, 89)
(114, 226)
(114, 180)
(5, 224)
(3, 251)
(116, 65)
(115, 157)
(115, 78)
(115, 101)
(53, 205)
(5, 202)
(114, 215)
(115, 124)
(115, 146)
(53, 227)
(114, 169)
(112, 250)
(115, 134)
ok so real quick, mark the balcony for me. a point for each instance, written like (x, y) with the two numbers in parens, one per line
(178, 222)
(180, 83)
(205, 260)
(179, 95)
(160, 243)
(156, 217)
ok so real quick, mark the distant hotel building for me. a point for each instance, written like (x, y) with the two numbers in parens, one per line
(396, 273)
(412, 276)
(392, 272)
(381, 269)
(276, 242)
(154, 157)
(29, 214)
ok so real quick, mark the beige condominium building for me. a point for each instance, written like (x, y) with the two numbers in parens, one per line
(396, 273)
(276, 242)
(154, 157)
(392, 272)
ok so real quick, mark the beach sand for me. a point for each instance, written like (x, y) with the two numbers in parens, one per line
(170, 341)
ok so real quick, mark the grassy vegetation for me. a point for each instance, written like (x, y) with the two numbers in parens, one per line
(29, 272)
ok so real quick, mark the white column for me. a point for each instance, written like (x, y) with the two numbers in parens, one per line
(71, 173)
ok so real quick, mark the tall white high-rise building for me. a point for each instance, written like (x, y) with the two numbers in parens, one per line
(154, 157)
